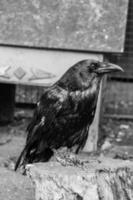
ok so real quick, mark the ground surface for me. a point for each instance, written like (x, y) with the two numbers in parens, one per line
(116, 142)
(13, 186)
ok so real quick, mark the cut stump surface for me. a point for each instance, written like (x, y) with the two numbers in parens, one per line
(99, 179)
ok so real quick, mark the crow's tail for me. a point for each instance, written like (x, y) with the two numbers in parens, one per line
(20, 160)
(32, 156)
(36, 148)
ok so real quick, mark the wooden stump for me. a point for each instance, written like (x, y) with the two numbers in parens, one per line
(98, 179)
(7, 102)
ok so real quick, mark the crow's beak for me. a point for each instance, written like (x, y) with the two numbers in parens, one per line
(108, 68)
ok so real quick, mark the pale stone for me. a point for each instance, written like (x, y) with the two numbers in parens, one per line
(106, 145)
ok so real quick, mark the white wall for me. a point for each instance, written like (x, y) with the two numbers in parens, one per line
(37, 61)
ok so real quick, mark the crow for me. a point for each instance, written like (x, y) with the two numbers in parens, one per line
(65, 112)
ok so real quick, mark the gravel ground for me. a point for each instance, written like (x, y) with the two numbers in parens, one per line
(14, 186)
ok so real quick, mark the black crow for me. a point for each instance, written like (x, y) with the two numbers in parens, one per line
(65, 112)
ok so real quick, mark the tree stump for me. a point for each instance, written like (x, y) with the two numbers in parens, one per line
(97, 179)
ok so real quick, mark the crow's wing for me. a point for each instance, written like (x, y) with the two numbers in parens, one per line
(47, 109)
(45, 114)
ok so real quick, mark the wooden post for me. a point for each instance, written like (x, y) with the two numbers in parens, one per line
(91, 144)
(7, 102)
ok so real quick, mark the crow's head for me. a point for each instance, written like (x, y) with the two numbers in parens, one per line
(101, 68)
(84, 73)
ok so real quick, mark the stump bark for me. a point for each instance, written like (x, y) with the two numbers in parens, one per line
(98, 179)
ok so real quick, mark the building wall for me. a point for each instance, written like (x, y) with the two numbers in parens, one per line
(97, 25)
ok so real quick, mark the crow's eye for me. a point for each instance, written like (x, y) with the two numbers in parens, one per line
(94, 66)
